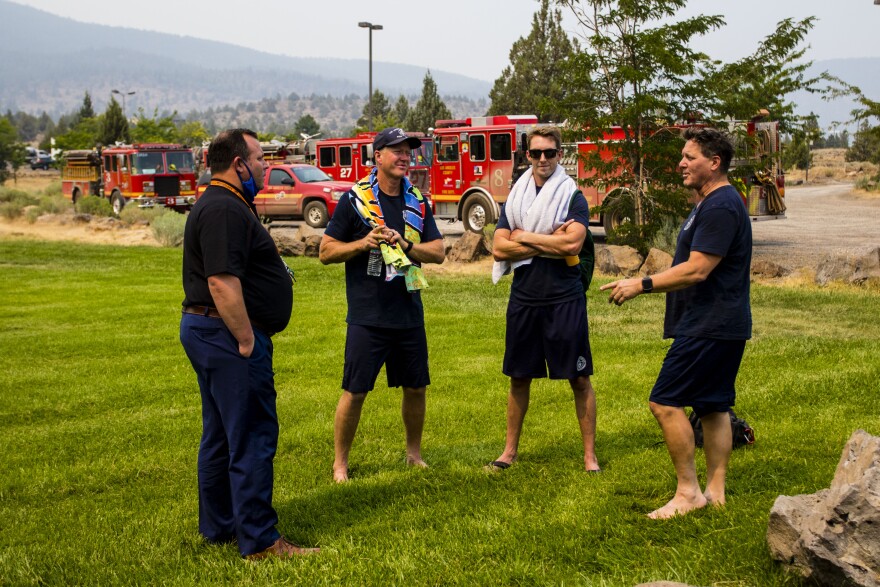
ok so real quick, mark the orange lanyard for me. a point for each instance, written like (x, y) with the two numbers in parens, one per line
(225, 184)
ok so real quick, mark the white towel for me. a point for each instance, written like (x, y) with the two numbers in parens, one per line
(541, 213)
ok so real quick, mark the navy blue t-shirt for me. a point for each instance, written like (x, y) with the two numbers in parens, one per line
(544, 280)
(372, 301)
(719, 306)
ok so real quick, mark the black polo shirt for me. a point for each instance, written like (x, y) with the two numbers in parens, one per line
(223, 235)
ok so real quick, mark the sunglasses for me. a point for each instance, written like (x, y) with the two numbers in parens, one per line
(548, 153)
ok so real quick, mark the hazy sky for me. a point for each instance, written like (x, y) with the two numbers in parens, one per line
(470, 37)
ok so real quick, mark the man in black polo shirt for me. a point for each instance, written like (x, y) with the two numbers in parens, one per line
(382, 230)
(238, 294)
(709, 316)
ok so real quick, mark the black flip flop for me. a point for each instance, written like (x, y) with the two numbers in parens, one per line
(500, 465)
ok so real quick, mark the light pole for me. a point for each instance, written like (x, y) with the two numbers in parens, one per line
(372, 27)
(123, 94)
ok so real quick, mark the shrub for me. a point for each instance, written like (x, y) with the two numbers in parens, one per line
(666, 237)
(10, 210)
(53, 189)
(32, 214)
(95, 206)
(16, 196)
(55, 204)
(133, 214)
(168, 229)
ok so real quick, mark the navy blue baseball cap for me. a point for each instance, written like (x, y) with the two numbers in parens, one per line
(394, 136)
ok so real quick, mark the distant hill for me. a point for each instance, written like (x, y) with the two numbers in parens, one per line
(47, 62)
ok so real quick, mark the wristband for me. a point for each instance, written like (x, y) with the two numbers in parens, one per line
(409, 246)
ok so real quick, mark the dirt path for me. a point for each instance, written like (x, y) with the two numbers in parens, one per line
(820, 220)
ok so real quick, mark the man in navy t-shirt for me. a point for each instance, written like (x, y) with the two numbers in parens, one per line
(386, 323)
(539, 235)
(709, 317)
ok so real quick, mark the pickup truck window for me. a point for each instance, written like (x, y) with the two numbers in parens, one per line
(277, 177)
(310, 174)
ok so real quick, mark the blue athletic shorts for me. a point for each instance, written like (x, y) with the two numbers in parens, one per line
(404, 352)
(700, 373)
(553, 337)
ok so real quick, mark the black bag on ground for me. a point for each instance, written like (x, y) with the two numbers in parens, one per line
(742, 432)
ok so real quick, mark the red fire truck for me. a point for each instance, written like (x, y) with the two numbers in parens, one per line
(477, 160)
(350, 159)
(146, 174)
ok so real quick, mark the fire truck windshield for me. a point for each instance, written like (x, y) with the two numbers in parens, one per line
(179, 161)
(147, 163)
(309, 174)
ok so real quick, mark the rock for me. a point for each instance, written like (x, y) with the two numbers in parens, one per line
(82, 218)
(766, 268)
(312, 245)
(855, 266)
(833, 536)
(618, 260)
(287, 243)
(655, 262)
(104, 224)
(470, 247)
(304, 231)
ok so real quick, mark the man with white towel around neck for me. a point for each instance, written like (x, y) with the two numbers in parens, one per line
(544, 222)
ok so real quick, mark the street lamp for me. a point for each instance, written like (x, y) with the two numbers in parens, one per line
(372, 27)
(123, 94)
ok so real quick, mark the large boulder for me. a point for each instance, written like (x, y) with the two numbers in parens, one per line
(855, 266)
(618, 260)
(833, 536)
(287, 242)
(655, 262)
(312, 245)
(765, 268)
(304, 231)
(470, 247)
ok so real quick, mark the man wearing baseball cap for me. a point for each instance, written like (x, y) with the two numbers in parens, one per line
(383, 230)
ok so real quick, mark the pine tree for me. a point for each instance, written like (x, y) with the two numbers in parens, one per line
(381, 108)
(86, 110)
(400, 111)
(306, 125)
(114, 126)
(429, 109)
(533, 82)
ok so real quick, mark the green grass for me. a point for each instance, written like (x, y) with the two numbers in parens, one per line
(100, 423)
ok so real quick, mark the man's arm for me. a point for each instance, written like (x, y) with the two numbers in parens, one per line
(695, 270)
(433, 251)
(226, 291)
(565, 241)
(337, 251)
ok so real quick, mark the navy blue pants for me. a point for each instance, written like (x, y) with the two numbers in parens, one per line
(239, 434)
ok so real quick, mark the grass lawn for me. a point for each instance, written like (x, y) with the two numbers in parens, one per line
(100, 423)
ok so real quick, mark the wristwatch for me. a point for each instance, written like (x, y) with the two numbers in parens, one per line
(409, 246)
(647, 285)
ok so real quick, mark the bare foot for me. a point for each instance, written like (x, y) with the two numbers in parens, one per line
(591, 465)
(416, 462)
(717, 502)
(340, 474)
(678, 506)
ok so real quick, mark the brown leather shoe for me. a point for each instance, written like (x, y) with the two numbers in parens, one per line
(282, 548)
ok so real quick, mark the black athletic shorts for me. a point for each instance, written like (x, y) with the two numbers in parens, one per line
(552, 337)
(403, 351)
(700, 373)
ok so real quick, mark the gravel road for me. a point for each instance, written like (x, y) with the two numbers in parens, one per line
(820, 219)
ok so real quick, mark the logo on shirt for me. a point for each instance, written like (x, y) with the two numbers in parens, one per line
(690, 221)
(581, 364)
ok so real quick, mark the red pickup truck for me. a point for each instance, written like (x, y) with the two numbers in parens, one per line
(294, 191)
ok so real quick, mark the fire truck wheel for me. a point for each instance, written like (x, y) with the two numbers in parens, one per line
(316, 214)
(617, 212)
(118, 202)
(477, 213)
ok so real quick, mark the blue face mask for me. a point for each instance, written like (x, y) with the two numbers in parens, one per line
(249, 187)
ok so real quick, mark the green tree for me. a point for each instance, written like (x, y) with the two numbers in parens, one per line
(192, 134)
(12, 152)
(796, 153)
(533, 83)
(400, 112)
(428, 109)
(83, 135)
(638, 72)
(865, 144)
(155, 129)
(86, 110)
(381, 108)
(114, 126)
(306, 125)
